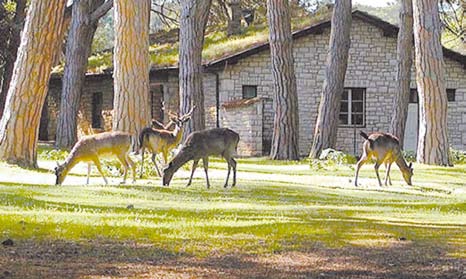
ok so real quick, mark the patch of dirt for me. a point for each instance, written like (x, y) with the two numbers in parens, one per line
(101, 259)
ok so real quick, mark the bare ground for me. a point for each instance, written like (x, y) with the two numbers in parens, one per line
(102, 259)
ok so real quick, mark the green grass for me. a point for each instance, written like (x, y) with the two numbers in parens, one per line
(277, 206)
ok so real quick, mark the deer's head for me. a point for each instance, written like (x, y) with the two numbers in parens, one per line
(168, 174)
(59, 173)
(408, 173)
(180, 120)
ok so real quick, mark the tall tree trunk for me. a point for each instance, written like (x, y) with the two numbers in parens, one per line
(325, 133)
(285, 145)
(131, 111)
(193, 19)
(432, 145)
(78, 47)
(403, 75)
(20, 122)
(13, 44)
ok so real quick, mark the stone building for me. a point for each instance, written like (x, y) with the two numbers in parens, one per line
(238, 90)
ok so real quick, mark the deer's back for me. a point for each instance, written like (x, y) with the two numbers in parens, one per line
(102, 144)
(382, 145)
(215, 141)
(156, 139)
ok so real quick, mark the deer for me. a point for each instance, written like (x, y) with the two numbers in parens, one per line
(90, 148)
(163, 140)
(384, 148)
(200, 145)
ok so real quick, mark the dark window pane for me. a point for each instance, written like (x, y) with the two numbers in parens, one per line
(249, 91)
(97, 106)
(345, 95)
(344, 106)
(357, 94)
(451, 95)
(357, 107)
(343, 119)
(413, 98)
(357, 119)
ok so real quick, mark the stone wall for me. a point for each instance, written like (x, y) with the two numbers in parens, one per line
(372, 65)
(246, 118)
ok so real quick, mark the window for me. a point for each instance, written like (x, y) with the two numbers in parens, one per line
(249, 91)
(451, 95)
(413, 97)
(352, 107)
(97, 102)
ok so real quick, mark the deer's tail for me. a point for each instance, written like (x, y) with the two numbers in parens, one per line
(141, 139)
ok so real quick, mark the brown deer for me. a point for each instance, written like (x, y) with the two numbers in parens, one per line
(384, 148)
(200, 145)
(90, 148)
(163, 140)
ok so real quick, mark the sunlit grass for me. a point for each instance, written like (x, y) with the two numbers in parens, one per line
(276, 207)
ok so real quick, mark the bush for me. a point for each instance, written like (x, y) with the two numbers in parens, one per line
(331, 159)
(52, 154)
(457, 156)
(410, 156)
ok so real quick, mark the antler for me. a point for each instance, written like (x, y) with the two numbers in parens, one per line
(189, 114)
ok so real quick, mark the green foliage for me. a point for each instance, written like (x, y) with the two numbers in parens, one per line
(410, 156)
(457, 156)
(52, 154)
(332, 159)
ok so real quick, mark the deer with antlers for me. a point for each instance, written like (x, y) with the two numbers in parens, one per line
(384, 148)
(90, 148)
(200, 145)
(163, 140)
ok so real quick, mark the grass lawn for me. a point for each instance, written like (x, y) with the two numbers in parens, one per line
(282, 220)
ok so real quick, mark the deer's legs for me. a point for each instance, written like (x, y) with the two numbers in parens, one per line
(205, 161)
(387, 175)
(133, 166)
(195, 162)
(233, 164)
(376, 167)
(228, 159)
(155, 164)
(142, 162)
(88, 172)
(358, 166)
(99, 168)
(124, 164)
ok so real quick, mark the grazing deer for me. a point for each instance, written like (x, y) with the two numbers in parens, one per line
(163, 140)
(201, 145)
(90, 148)
(384, 148)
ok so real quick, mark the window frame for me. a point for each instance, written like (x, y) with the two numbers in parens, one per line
(244, 90)
(350, 113)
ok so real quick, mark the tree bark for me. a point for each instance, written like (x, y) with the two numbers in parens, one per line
(78, 48)
(403, 75)
(131, 112)
(193, 19)
(430, 77)
(13, 44)
(325, 133)
(285, 145)
(39, 42)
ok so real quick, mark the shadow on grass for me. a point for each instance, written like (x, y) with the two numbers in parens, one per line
(101, 258)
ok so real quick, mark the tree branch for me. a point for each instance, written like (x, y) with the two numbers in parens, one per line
(101, 11)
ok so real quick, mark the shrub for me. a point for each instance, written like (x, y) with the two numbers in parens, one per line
(331, 159)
